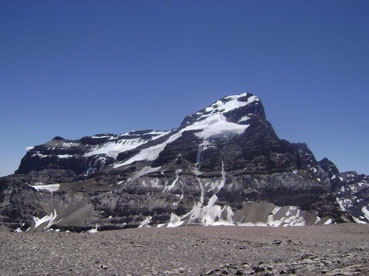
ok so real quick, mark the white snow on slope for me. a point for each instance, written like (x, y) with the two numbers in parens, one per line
(145, 222)
(215, 124)
(358, 220)
(208, 215)
(145, 170)
(112, 149)
(208, 125)
(341, 203)
(171, 186)
(365, 212)
(65, 156)
(230, 103)
(214, 215)
(211, 214)
(205, 214)
(150, 153)
(174, 221)
(292, 217)
(48, 218)
(38, 154)
(93, 230)
(50, 187)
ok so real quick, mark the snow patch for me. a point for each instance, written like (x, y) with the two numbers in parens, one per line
(209, 214)
(48, 218)
(50, 187)
(170, 187)
(253, 224)
(145, 222)
(174, 221)
(205, 213)
(93, 230)
(243, 119)
(365, 212)
(151, 153)
(215, 124)
(64, 156)
(291, 218)
(358, 220)
(145, 170)
(112, 149)
(340, 203)
(70, 144)
(231, 103)
(38, 154)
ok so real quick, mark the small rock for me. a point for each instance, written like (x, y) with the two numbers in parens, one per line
(247, 269)
(211, 271)
(258, 268)
(277, 242)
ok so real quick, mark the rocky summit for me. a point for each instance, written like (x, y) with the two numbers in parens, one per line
(223, 165)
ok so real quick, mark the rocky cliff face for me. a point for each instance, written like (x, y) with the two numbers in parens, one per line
(224, 165)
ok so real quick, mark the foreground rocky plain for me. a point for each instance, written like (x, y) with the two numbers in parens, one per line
(341, 249)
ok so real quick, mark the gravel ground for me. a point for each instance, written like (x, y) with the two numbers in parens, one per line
(328, 250)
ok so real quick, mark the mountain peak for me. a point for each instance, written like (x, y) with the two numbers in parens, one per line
(235, 109)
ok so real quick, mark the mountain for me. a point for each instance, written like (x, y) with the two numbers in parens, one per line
(223, 165)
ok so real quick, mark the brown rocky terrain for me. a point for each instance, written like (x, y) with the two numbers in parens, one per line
(341, 249)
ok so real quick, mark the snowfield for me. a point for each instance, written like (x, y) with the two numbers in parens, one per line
(47, 187)
(211, 123)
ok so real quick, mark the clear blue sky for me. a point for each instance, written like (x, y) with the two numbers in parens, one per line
(76, 68)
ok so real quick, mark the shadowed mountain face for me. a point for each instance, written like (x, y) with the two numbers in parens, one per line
(224, 165)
